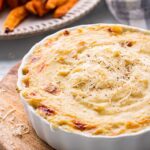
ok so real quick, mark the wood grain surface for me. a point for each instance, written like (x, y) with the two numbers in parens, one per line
(11, 105)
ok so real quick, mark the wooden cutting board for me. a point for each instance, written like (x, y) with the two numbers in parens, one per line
(16, 132)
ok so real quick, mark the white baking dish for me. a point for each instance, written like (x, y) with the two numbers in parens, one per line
(65, 140)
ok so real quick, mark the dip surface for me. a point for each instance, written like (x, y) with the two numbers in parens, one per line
(93, 79)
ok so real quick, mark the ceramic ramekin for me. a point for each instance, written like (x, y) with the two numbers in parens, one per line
(65, 140)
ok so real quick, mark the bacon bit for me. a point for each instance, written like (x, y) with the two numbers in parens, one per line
(25, 71)
(79, 125)
(115, 29)
(18, 90)
(130, 44)
(33, 94)
(26, 82)
(127, 43)
(109, 30)
(47, 111)
(66, 33)
(52, 89)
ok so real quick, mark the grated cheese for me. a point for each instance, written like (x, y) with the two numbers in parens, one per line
(20, 129)
(8, 113)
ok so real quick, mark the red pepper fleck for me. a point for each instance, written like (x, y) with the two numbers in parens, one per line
(79, 125)
(41, 67)
(46, 110)
(66, 32)
(34, 59)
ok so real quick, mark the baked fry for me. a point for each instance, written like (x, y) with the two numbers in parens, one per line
(62, 10)
(14, 18)
(40, 7)
(21, 9)
(36, 7)
(1, 4)
(13, 3)
(51, 4)
(30, 7)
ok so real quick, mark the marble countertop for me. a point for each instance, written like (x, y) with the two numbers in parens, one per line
(13, 50)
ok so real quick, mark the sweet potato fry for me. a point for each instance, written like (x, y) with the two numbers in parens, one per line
(1, 4)
(63, 9)
(14, 18)
(30, 7)
(51, 4)
(40, 7)
(13, 3)
(36, 7)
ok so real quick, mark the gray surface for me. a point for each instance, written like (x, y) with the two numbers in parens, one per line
(12, 51)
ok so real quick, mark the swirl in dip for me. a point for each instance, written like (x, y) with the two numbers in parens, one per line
(91, 79)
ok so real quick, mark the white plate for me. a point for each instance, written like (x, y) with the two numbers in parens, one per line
(34, 25)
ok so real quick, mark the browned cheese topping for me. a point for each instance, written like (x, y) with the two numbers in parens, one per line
(93, 79)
